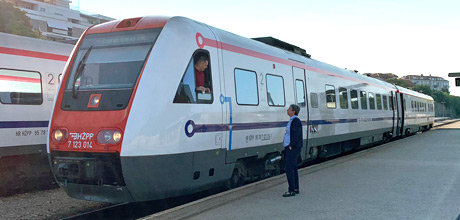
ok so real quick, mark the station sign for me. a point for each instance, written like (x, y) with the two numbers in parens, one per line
(457, 79)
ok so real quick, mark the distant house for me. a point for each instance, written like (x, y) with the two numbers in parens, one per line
(56, 20)
(436, 83)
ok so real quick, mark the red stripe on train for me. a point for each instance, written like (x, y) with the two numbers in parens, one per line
(28, 53)
(248, 52)
(19, 79)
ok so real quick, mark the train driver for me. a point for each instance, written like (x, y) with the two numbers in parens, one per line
(201, 63)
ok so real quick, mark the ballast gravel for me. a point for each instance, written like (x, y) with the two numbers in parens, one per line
(48, 204)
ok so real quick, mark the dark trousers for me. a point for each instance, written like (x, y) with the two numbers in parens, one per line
(291, 168)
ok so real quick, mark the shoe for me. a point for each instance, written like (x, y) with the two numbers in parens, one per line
(288, 194)
(297, 191)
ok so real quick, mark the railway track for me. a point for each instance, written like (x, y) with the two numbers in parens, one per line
(25, 173)
(141, 209)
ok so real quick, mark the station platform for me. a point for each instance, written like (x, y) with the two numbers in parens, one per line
(417, 177)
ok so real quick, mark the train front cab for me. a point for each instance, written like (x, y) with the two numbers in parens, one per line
(92, 107)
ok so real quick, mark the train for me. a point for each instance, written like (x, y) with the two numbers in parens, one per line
(30, 70)
(130, 122)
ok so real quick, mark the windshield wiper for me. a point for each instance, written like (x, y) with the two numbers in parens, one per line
(80, 68)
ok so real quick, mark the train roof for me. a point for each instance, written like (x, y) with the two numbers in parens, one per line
(38, 45)
(413, 93)
(267, 45)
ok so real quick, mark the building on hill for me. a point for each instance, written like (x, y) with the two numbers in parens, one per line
(56, 20)
(436, 83)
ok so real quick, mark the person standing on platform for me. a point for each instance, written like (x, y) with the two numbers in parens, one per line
(292, 143)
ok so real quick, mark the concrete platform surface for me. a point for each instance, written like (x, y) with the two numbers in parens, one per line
(413, 178)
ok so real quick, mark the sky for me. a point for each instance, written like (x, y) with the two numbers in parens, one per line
(403, 37)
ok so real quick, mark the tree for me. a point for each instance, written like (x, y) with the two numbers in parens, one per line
(15, 21)
(424, 89)
(398, 82)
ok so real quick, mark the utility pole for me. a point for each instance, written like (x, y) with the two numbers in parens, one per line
(443, 109)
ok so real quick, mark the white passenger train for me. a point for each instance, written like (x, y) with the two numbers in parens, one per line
(29, 76)
(128, 124)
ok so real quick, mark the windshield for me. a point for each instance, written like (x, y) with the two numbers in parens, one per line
(114, 61)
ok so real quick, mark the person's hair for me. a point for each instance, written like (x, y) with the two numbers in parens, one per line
(200, 58)
(295, 108)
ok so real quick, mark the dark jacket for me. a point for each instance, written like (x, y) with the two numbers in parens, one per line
(296, 135)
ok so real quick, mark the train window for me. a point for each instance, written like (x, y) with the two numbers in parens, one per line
(112, 61)
(246, 87)
(275, 90)
(20, 87)
(354, 99)
(379, 101)
(363, 97)
(385, 102)
(314, 100)
(404, 104)
(300, 92)
(412, 105)
(195, 85)
(371, 101)
(343, 97)
(330, 97)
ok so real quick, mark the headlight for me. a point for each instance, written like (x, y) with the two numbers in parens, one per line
(116, 136)
(95, 100)
(59, 135)
(109, 136)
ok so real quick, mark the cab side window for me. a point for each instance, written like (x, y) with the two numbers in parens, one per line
(196, 83)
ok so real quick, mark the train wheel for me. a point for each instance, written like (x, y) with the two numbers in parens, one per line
(314, 153)
(407, 133)
(236, 180)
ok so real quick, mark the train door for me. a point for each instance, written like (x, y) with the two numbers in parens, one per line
(395, 114)
(300, 91)
(221, 138)
(400, 107)
(403, 108)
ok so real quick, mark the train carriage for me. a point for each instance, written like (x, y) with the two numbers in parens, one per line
(130, 124)
(29, 72)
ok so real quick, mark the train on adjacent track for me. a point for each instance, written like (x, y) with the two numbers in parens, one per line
(30, 70)
(130, 125)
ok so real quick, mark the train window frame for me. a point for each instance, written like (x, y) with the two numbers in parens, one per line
(269, 97)
(10, 101)
(186, 92)
(390, 102)
(299, 102)
(363, 99)
(385, 102)
(343, 97)
(333, 103)
(354, 100)
(236, 87)
(378, 101)
(314, 100)
(371, 100)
